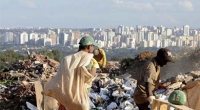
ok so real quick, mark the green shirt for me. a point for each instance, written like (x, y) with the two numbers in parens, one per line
(93, 64)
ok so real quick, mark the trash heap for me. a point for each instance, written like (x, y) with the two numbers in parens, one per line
(117, 93)
(21, 76)
(107, 92)
(15, 96)
(113, 93)
(181, 80)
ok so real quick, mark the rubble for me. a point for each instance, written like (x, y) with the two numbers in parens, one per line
(16, 94)
(112, 90)
(114, 93)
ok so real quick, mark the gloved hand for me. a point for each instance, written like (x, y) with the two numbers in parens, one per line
(151, 98)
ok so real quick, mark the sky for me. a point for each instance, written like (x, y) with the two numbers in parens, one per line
(99, 13)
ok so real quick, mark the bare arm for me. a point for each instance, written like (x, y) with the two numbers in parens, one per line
(93, 72)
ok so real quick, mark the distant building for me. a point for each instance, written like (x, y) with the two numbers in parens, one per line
(186, 31)
(33, 36)
(150, 43)
(110, 37)
(54, 39)
(132, 43)
(47, 42)
(57, 31)
(158, 43)
(172, 43)
(143, 43)
(165, 43)
(121, 30)
(76, 34)
(168, 32)
(23, 38)
(161, 29)
(70, 40)
(63, 38)
(139, 36)
(8, 37)
(179, 42)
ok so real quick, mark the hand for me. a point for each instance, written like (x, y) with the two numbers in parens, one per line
(151, 98)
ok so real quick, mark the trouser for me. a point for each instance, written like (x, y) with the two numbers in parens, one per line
(143, 106)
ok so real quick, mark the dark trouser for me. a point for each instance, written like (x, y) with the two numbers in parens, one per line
(143, 106)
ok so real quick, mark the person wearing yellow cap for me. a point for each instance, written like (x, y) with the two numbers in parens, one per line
(100, 57)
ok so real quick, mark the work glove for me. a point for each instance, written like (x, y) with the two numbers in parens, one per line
(151, 98)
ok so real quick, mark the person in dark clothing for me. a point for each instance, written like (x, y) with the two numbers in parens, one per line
(148, 79)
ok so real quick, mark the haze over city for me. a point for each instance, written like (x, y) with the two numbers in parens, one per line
(98, 13)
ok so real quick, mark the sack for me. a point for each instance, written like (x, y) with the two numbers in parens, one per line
(69, 85)
(177, 97)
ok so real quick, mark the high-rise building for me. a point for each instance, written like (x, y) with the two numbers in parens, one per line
(139, 36)
(117, 39)
(155, 36)
(47, 42)
(63, 37)
(150, 43)
(111, 34)
(23, 38)
(54, 38)
(33, 36)
(104, 36)
(126, 31)
(161, 29)
(138, 28)
(121, 29)
(8, 37)
(143, 43)
(197, 39)
(179, 42)
(132, 43)
(158, 43)
(76, 34)
(165, 42)
(148, 36)
(186, 31)
(70, 40)
(194, 32)
(57, 31)
(42, 36)
(168, 32)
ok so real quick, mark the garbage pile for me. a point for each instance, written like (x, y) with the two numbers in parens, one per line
(117, 93)
(181, 80)
(22, 75)
(15, 96)
(106, 92)
(37, 66)
(113, 93)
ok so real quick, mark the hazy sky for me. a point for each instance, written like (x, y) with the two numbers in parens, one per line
(99, 13)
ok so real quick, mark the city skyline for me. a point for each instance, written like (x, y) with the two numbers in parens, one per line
(122, 37)
(98, 14)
